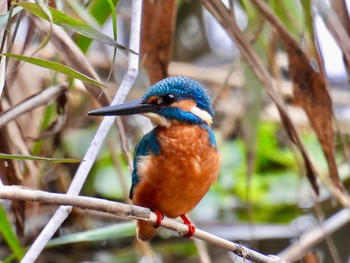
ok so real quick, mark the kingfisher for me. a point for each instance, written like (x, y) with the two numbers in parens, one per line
(177, 161)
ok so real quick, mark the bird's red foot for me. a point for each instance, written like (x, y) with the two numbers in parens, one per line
(160, 217)
(191, 227)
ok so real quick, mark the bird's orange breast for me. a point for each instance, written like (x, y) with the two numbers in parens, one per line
(175, 180)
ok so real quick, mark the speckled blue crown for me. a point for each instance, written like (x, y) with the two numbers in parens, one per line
(183, 88)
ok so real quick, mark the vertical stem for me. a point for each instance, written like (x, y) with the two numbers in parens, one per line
(3, 10)
(79, 179)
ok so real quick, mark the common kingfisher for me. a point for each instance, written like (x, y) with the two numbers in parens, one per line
(175, 163)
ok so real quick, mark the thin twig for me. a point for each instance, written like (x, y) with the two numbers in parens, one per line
(79, 179)
(335, 27)
(128, 211)
(202, 249)
(3, 10)
(225, 85)
(315, 235)
(42, 98)
(327, 237)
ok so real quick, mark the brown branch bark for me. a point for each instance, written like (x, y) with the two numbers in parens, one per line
(158, 20)
(340, 9)
(128, 211)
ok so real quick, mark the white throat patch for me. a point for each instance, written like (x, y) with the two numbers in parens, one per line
(204, 115)
(156, 119)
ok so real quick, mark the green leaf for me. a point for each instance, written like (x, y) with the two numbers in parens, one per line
(37, 158)
(82, 13)
(271, 153)
(61, 19)
(43, 7)
(308, 18)
(9, 235)
(120, 230)
(101, 11)
(290, 15)
(114, 22)
(56, 67)
(49, 112)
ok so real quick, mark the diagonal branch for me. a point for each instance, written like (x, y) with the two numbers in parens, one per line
(335, 27)
(37, 100)
(129, 211)
(222, 14)
(79, 178)
(315, 235)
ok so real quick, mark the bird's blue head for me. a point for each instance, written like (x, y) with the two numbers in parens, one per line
(172, 99)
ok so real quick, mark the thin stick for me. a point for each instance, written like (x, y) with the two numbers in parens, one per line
(79, 179)
(315, 235)
(334, 26)
(3, 10)
(41, 98)
(128, 211)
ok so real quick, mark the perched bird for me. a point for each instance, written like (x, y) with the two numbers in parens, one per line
(177, 161)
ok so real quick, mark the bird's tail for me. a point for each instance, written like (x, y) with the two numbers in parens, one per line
(145, 231)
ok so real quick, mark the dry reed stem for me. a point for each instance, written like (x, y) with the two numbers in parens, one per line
(90, 156)
(128, 211)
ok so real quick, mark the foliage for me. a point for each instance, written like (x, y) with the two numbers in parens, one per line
(9, 235)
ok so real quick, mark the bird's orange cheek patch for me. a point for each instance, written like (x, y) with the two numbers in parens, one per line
(185, 105)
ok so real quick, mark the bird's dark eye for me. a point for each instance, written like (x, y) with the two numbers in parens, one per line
(166, 99)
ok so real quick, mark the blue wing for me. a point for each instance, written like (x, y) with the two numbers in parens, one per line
(148, 145)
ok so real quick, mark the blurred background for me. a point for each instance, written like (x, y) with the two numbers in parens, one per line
(262, 198)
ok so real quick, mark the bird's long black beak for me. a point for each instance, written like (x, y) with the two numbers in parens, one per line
(131, 107)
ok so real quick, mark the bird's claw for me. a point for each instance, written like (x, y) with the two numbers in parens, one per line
(190, 225)
(160, 217)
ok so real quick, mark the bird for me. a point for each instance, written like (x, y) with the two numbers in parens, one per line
(177, 161)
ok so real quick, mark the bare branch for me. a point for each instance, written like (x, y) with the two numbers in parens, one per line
(335, 27)
(42, 98)
(315, 235)
(129, 211)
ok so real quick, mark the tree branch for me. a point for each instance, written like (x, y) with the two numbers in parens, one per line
(128, 211)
